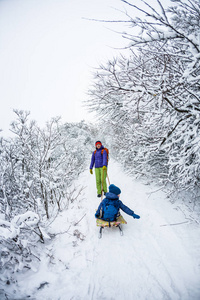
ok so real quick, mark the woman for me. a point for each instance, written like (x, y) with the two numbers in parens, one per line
(100, 161)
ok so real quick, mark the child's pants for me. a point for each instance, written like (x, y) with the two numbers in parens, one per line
(101, 174)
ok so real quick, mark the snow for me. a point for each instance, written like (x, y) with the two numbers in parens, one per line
(156, 258)
(12, 229)
(29, 217)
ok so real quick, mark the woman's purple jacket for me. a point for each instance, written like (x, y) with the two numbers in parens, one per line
(98, 159)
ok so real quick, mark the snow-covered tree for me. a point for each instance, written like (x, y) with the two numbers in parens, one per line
(37, 167)
(151, 98)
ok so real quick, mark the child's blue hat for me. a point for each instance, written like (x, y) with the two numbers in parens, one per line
(114, 189)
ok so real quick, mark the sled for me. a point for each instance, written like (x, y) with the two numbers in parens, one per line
(102, 224)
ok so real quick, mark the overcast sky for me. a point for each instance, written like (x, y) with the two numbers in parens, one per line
(48, 52)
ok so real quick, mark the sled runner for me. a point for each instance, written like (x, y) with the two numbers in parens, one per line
(101, 223)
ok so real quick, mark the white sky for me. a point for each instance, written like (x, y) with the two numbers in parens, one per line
(47, 55)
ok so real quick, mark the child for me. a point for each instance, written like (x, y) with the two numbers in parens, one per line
(108, 209)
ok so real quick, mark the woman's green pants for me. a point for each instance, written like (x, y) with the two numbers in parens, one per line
(101, 176)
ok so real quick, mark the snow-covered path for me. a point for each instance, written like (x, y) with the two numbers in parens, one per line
(153, 260)
(150, 261)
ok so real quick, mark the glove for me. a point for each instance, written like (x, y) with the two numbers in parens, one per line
(91, 172)
(104, 168)
(136, 216)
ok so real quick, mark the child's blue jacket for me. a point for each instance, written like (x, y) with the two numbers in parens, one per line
(114, 200)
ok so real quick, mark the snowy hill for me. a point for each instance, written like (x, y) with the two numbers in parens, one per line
(156, 258)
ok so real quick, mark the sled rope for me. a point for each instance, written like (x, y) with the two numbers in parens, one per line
(108, 179)
(102, 186)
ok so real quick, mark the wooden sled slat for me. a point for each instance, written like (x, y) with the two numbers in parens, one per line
(102, 223)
